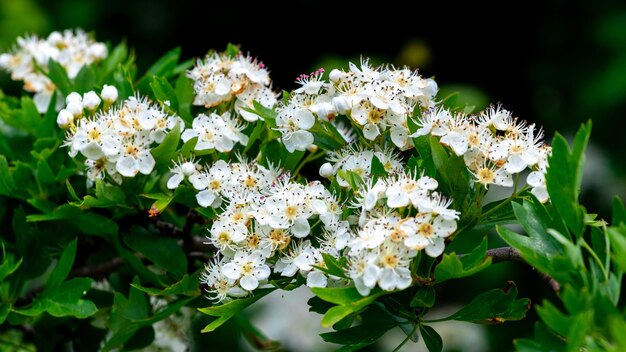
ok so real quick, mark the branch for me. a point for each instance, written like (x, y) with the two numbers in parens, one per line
(509, 253)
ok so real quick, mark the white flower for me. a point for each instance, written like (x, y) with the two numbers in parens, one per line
(180, 171)
(394, 260)
(405, 190)
(326, 170)
(226, 235)
(248, 268)
(211, 183)
(65, 119)
(431, 230)
(288, 209)
(537, 180)
(293, 123)
(211, 133)
(109, 93)
(135, 157)
(364, 271)
(91, 100)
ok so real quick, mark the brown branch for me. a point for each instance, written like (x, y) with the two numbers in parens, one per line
(97, 271)
(508, 253)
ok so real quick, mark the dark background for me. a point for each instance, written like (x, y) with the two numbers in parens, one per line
(555, 63)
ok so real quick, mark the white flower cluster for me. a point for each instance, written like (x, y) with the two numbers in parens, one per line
(221, 78)
(264, 226)
(215, 131)
(385, 243)
(90, 101)
(28, 61)
(119, 140)
(495, 145)
(359, 161)
(375, 99)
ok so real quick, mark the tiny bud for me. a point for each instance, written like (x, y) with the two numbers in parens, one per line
(109, 93)
(335, 75)
(326, 170)
(188, 168)
(65, 118)
(98, 51)
(54, 38)
(312, 148)
(75, 108)
(73, 97)
(91, 100)
(341, 104)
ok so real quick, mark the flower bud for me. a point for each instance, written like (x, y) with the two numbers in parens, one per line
(335, 75)
(65, 118)
(55, 38)
(76, 108)
(98, 51)
(326, 170)
(73, 97)
(342, 106)
(109, 93)
(188, 168)
(91, 100)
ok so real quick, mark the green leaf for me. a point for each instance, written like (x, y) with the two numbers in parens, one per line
(564, 177)
(163, 67)
(494, 307)
(618, 211)
(326, 136)
(453, 266)
(107, 196)
(349, 300)
(268, 115)
(554, 318)
(351, 178)
(64, 300)
(184, 95)
(378, 169)
(228, 310)
(451, 171)
(115, 58)
(63, 266)
(364, 334)
(164, 92)
(58, 76)
(334, 266)
(86, 222)
(7, 186)
(123, 83)
(162, 200)
(431, 339)
(85, 79)
(618, 245)
(162, 251)
(48, 125)
(424, 297)
(164, 152)
(187, 286)
(259, 127)
(8, 265)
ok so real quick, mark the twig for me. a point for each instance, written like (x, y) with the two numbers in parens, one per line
(509, 253)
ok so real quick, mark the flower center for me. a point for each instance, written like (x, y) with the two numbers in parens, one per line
(132, 150)
(425, 229)
(390, 261)
(397, 235)
(291, 212)
(247, 268)
(250, 182)
(223, 237)
(94, 135)
(485, 175)
(278, 238)
(253, 241)
(215, 184)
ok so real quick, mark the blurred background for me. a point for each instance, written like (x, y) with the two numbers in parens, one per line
(555, 63)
